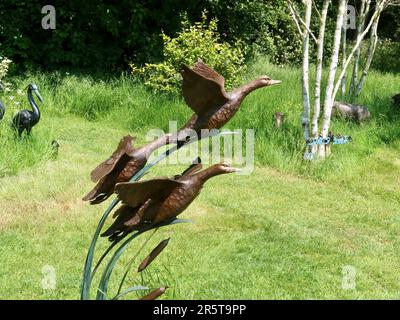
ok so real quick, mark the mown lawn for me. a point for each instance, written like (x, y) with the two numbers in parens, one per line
(286, 231)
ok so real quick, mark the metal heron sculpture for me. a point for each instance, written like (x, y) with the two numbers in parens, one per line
(2, 110)
(27, 119)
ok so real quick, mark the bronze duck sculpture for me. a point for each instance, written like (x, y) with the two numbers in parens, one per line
(204, 92)
(120, 167)
(154, 201)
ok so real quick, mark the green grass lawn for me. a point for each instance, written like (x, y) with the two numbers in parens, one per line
(286, 231)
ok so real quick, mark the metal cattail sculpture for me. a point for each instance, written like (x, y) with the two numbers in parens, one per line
(155, 294)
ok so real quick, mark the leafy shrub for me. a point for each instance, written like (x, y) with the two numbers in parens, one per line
(387, 56)
(265, 27)
(200, 40)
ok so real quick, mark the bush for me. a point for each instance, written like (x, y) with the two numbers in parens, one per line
(387, 56)
(265, 27)
(200, 40)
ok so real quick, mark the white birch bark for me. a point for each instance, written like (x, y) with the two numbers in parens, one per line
(380, 6)
(373, 41)
(318, 76)
(305, 121)
(364, 8)
(344, 52)
(328, 102)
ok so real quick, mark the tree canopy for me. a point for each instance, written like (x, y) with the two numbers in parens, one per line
(109, 34)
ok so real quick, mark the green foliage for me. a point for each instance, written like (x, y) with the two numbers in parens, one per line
(200, 40)
(102, 35)
(17, 154)
(264, 27)
(386, 56)
(127, 105)
(107, 35)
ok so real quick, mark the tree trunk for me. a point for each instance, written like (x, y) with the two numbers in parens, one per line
(324, 150)
(364, 8)
(373, 41)
(380, 6)
(344, 52)
(305, 121)
(318, 76)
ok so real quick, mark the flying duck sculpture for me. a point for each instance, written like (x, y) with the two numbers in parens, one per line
(2, 110)
(154, 201)
(204, 91)
(27, 119)
(120, 167)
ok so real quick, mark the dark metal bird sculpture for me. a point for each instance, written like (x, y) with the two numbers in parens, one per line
(154, 201)
(26, 119)
(120, 167)
(396, 100)
(204, 92)
(2, 110)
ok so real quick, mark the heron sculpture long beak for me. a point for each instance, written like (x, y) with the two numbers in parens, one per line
(38, 95)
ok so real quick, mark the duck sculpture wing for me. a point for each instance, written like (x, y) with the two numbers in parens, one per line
(203, 88)
(125, 147)
(136, 194)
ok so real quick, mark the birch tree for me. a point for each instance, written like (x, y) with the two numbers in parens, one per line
(358, 81)
(303, 26)
(334, 82)
(344, 51)
(364, 9)
(324, 150)
(319, 68)
(306, 67)
(379, 7)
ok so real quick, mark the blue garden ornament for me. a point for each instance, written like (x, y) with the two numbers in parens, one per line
(340, 139)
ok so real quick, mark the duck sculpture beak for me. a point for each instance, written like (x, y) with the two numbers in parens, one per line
(273, 82)
(228, 168)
